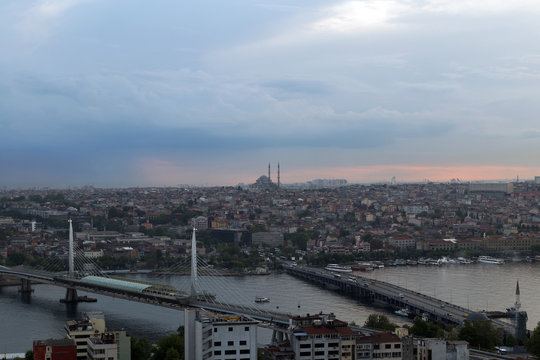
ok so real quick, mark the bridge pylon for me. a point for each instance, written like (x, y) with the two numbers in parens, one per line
(194, 281)
(71, 267)
(71, 293)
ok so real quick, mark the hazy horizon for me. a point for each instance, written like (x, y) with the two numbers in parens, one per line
(119, 94)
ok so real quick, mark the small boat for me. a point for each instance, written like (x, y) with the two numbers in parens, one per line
(338, 268)
(490, 260)
(261, 299)
(412, 262)
(402, 312)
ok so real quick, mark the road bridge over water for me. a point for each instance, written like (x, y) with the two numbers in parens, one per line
(380, 293)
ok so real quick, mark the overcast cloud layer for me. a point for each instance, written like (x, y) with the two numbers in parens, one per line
(121, 93)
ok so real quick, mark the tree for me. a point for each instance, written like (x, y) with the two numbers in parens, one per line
(29, 355)
(174, 341)
(15, 259)
(426, 329)
(481, 333)
(379, 322)
(172, 354)
(141, 349)
(532, 344)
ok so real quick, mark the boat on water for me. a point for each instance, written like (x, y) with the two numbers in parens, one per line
(261, 299)
(462, 260)
(402, 312)
(338, 268)
(362, 267)
(490, 260)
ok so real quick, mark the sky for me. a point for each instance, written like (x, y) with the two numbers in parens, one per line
(161, 93)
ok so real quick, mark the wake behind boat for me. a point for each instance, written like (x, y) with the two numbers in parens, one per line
(338, 268)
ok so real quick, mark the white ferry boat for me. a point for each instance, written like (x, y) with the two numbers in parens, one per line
(261, 299)
(490, 260)
(338, 268)
(403, 312)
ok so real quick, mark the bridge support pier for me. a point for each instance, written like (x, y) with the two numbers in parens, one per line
(71, 296)
(26, 287)
(278, 336)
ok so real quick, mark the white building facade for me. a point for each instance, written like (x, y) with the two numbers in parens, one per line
(217, 337)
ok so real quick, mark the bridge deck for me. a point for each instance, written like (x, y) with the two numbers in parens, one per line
(385, 294)
(270, 317)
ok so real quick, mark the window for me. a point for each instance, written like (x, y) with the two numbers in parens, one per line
(230, 352)
(376, 347)
(243, 342)
(319, 345)
(246, 328)
(217, 343)
(305, 346)
(230, 343)
(230, 329)
(319, 353)
(245, 351)
(387, 346)
(215, 329)
(217, 352)
(305, 353)
(397, 346)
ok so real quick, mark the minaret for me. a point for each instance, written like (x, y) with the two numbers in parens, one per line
(71, 269)
(269, 172)
(278, 180)
(517, 305)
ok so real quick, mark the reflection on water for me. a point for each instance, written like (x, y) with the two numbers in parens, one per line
(477, 286)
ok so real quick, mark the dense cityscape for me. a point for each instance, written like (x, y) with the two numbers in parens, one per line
(269, 180)
(267, 227)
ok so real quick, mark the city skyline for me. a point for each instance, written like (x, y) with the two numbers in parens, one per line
(161, 94)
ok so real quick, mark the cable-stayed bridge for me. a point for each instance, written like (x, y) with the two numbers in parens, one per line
(85, 275)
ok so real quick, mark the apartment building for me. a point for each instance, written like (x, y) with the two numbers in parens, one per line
(218, 337)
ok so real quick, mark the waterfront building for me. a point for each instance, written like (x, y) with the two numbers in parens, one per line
(93, 325)
(438, 349)
(379, 346)
(55, 349)
(102, 348)
(211, 336)
(319, 336)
